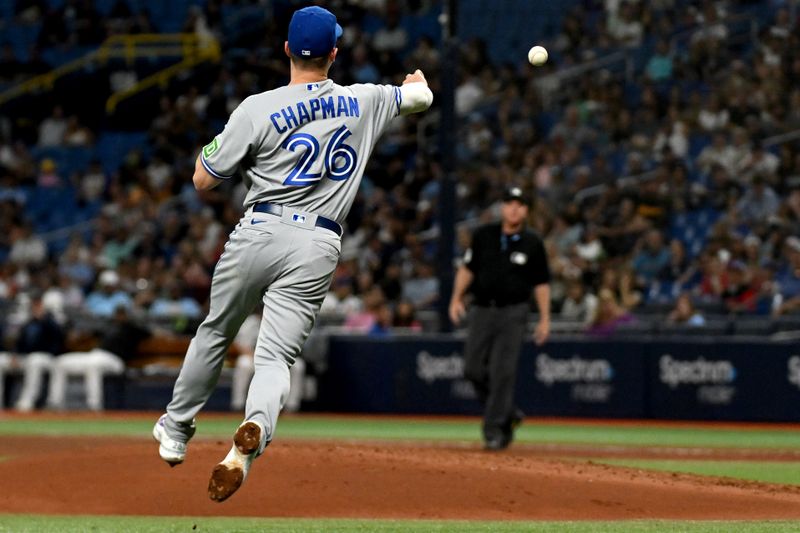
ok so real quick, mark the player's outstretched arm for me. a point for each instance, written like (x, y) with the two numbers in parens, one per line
(416, 96)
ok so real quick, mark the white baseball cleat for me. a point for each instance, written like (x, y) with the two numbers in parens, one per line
(228, 476)
(170, 450)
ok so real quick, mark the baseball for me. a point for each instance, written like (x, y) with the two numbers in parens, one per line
(537, 56)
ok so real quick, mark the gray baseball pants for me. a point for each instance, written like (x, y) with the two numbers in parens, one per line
(491, 354)
(289, 265)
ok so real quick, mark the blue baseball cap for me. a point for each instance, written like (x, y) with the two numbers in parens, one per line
(313, 32)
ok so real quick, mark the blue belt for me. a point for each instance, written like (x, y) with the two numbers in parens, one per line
(277, 210)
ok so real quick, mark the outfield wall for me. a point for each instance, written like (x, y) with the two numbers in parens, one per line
(677, 378)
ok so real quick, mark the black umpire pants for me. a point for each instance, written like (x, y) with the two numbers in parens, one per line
(491, 354)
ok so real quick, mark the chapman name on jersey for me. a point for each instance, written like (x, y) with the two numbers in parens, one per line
(293, 116)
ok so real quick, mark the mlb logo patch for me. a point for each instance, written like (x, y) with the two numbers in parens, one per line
(312, 86)
(299, 218)
(306, 52)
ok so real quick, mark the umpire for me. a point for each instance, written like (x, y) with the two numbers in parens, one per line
(505, 263)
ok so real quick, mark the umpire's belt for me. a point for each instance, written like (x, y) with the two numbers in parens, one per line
(277, 210)
(496, 303)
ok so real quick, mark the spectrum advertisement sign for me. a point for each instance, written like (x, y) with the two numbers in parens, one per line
(702, 379)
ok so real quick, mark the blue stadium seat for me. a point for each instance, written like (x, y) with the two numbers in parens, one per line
(112, 147)
(697, 142)
(68, 159)
(21, 38)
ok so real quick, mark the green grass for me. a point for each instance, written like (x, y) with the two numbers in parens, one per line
(770, 472)
(112, 524)
(309, 426)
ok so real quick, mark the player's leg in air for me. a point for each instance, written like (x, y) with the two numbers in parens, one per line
(238, 283)
(291, 304)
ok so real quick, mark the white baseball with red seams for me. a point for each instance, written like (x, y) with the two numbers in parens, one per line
(537, 55)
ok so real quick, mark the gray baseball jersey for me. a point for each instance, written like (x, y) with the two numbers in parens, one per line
(304, 145)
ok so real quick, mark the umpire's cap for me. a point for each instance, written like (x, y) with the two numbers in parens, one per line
(515, 193)
(313, 32)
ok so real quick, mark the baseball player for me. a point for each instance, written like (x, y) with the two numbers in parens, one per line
(303, 148)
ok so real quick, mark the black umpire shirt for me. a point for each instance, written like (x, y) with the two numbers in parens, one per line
(506, 268)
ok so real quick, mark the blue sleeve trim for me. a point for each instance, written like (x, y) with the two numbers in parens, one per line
(398, 98)
(213, 172)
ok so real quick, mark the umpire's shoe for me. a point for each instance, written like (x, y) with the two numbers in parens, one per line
(228, 476)
(496, 444)
(173, 452)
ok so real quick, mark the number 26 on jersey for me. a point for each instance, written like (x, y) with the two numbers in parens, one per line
(340, 159)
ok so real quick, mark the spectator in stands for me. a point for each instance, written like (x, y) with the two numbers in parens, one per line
(572, 131)
(671, 139)
(685, 313)
(363, 70)
(173, 303)
(659, 66)
(753, 255)
(622, 231)
(392, 37)
(52, 129)
(119, 247)
(27, 248)
(759, 202)
(48, 175)
(75, 262)
(564, 235)
(340, 300)
(624, 25)
(92, 183)
(118, 345)
(715, 279)
(652, 259)
(719, 152)
(759, 162)
(108, 297)
(469, 94)
(392, 282)
(743, 289)
(788, 280)
(364, 320)
(621, 284)
(741, 150)
(608, 316)
(713, 117)
(679, 269)
(579, 304)
(425, 56)
(37, 340)
(382, 325)
(64, 296)
(75, 134)
(422, 289)
(404, 317)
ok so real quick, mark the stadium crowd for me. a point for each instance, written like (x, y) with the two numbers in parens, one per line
(663, 184)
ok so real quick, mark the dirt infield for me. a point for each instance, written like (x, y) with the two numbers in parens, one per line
(367, 480)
